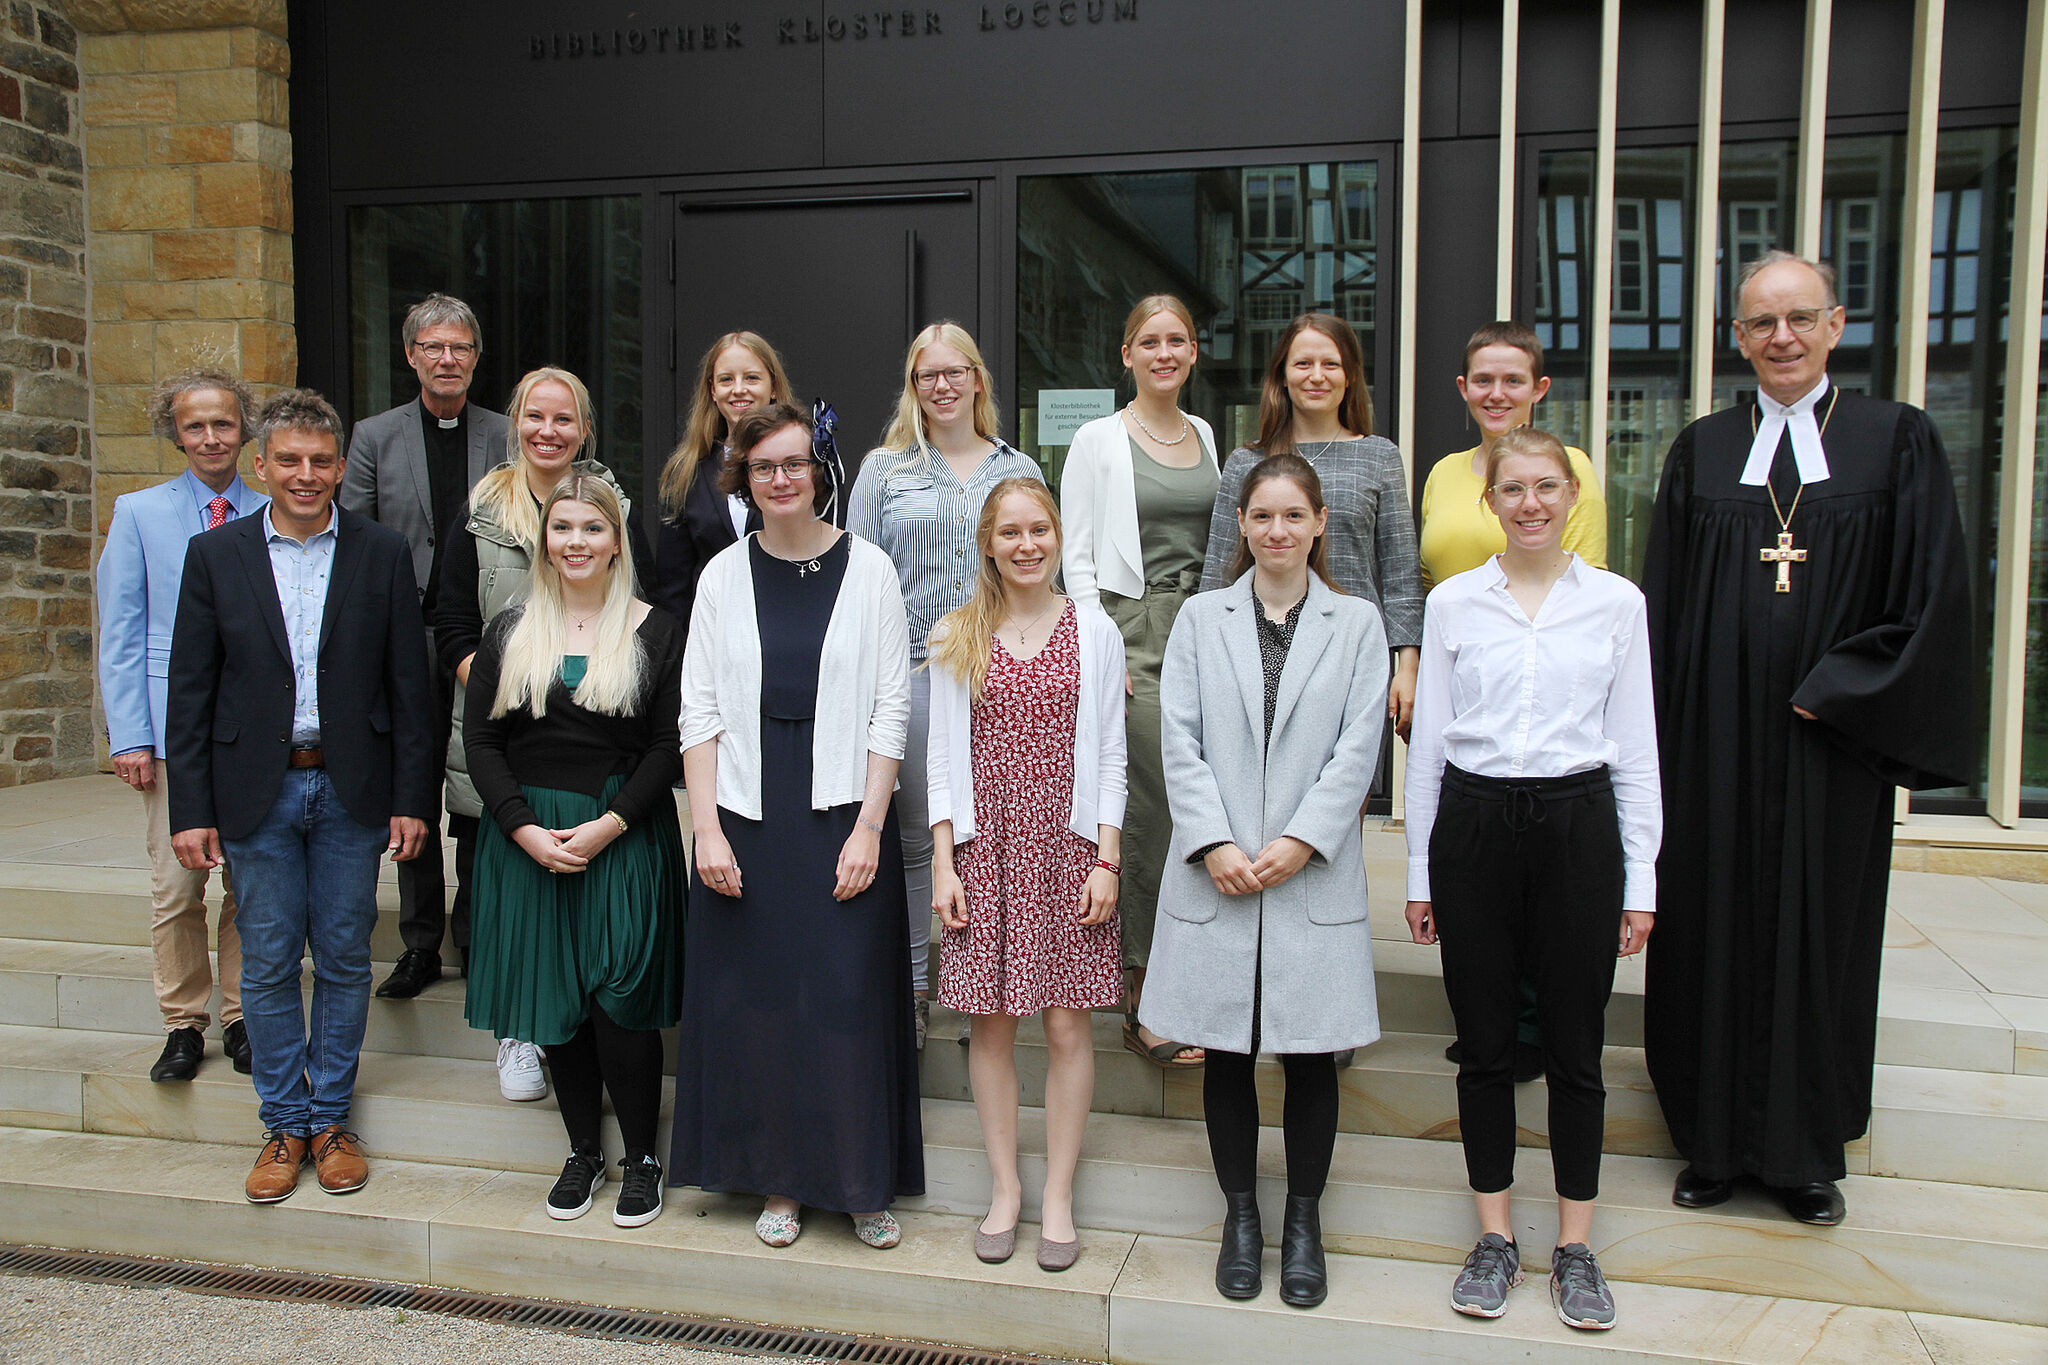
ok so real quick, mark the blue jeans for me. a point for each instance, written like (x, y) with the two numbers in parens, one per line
(306, 877)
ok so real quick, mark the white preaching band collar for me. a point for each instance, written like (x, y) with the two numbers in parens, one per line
(1776, 419)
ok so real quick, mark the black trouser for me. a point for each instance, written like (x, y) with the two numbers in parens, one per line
(422, 882)
(604, 1058)
(1230, 1104)
(1525, 877)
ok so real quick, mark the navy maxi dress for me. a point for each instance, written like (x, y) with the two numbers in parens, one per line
(796, 1061)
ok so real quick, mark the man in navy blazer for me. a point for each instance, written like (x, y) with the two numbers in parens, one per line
(299, 723)
(207, 414)
(411, 468)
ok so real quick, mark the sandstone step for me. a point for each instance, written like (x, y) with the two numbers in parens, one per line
(1131, 1298)
(110, 906)
(1931, 1013)
(1967, 1127)
(1388, 1196)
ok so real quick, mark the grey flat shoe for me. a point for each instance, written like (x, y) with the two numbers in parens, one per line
(1057, 1256)
(995, 1247)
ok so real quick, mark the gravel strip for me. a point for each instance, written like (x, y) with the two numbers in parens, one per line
(72, 1322)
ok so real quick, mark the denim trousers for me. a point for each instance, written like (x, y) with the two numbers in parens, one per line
(306, 878)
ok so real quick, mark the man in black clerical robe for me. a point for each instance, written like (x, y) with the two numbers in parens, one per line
(1810, 639)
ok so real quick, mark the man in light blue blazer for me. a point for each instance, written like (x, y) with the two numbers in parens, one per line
(411, 468)
(207, 414)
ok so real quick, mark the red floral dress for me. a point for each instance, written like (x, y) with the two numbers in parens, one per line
(1024, 948)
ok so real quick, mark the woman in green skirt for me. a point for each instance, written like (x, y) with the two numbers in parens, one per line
(571, 730)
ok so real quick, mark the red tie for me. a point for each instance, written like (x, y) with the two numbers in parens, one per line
(216, 513)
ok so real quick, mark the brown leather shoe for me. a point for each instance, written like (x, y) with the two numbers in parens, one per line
(338, 1157)
(276, 1173)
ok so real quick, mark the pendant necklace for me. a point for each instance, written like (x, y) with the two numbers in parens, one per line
(1185, 426)
(582, 621)
(1024, 632)
(1782, 554)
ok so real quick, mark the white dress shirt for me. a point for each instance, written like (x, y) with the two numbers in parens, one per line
(1502, 696)
(302, 571)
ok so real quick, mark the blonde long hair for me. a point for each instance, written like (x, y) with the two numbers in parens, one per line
(707, 428)
(905, 434)
(496, 492)
(616, 665)
(961, 641)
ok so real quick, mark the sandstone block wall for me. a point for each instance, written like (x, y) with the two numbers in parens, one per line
(47, 725)
(189, 172)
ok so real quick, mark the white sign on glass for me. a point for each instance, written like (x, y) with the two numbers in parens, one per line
(1062, 412)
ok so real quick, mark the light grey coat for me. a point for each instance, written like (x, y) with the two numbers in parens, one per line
(1307, 943)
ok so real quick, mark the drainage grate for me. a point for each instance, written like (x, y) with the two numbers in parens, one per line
(617, 1324)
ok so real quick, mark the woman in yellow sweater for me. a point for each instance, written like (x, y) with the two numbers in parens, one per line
(1502, 382)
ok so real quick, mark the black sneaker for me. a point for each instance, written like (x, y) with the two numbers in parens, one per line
(639, 1191)
(582, 1173)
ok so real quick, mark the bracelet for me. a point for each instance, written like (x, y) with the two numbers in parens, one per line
(870, 824)
(623, 826)
(1111, 868)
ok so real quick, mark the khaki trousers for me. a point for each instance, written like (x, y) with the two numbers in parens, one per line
(177, 927)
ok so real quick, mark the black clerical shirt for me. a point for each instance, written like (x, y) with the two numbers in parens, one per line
(447, 482)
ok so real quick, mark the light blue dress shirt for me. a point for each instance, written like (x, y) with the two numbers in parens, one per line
(301, 573)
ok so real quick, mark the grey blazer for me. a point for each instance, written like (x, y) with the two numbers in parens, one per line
(386, 478)
(1302, 950)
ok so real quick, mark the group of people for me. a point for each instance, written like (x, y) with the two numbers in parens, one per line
(1118, 743)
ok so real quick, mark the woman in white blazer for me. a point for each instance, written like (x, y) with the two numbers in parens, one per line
(1137, 532)
(1027, 796)
(1274, 691)
(796, 1065)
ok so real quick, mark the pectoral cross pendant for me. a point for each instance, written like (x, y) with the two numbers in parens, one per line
(1784, 556)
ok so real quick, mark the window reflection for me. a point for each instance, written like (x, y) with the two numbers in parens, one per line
(553, 282)
(1246, 248)
(1651, 323)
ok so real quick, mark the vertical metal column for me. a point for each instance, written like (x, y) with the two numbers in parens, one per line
(1706, 225)
(1603, 240)
(2016, 453)
(1411, 237)
(1813, 126)
(1510, 73)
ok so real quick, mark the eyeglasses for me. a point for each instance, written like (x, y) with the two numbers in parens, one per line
(434, 350)
(1765, 325)
(1548, 491)
(762, 472)
(954, 375)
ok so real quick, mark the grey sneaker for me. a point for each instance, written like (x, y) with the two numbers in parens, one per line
(1578, 1290)
(1493, 1268)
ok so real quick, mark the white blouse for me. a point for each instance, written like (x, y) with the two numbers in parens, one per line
(1501, 695)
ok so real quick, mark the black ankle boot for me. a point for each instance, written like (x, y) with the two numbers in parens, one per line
(1237, 1261)
(1304, 1281)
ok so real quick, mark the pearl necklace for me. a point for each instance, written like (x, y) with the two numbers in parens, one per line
(1185, 426)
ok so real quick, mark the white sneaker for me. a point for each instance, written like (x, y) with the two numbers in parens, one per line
(519, 1073)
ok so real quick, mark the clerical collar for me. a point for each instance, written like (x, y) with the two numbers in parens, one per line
(449, 423)
(1777, 419)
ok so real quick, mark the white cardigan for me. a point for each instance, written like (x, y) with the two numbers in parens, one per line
(863, 679)
(1098, 738)
(1099, 510)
